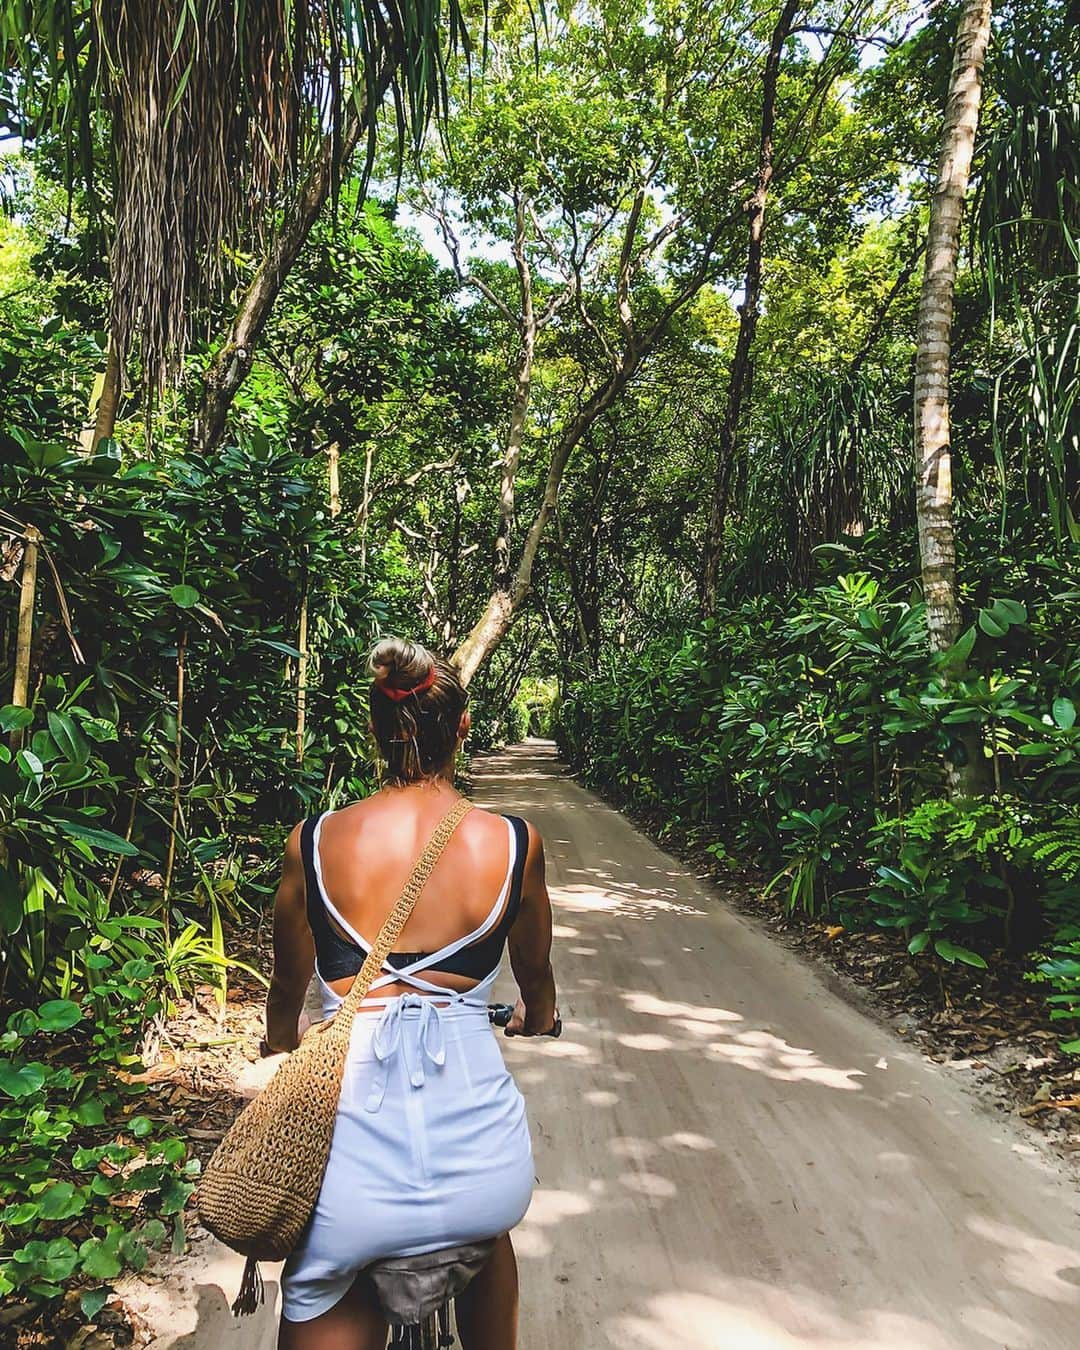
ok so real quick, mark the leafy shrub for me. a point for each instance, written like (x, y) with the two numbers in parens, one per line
(811, 849)
(812, 736)
(87, 1184)
(540, 698)
(926, 903)
(516, 721)
(1062, 972)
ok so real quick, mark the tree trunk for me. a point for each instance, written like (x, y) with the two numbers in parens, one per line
(519, 410)
(504, 602)
(512, 454)
(104, 402)
(933, 459)
(234, 358)
(109, 402)
(333, 468)
(24, 637)
(748, 316)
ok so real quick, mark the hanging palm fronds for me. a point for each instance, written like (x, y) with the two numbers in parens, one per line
(1027, 233)
(1037, 401)
(833, 449)
(1027, 197)
(210, 112)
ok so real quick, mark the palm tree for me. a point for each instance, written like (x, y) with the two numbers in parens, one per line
(216, 121)
(933, 461)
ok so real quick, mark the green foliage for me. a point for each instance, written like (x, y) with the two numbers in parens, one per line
(812, 738)
(88, 1184)
(1057, 854)
(540, 698)
(183, 579)
(811, 840)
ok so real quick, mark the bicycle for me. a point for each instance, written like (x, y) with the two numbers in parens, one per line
(436, 1330)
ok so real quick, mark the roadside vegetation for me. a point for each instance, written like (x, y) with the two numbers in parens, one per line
(594, 345)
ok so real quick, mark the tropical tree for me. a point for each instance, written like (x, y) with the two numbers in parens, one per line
(614, 220)
(201, 129)
(933, 459)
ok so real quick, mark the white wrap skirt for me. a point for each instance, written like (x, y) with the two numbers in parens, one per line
(431, 1148)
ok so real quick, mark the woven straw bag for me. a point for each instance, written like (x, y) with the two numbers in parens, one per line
(260, 1187)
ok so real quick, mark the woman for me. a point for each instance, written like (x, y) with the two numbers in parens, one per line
(431, 1146)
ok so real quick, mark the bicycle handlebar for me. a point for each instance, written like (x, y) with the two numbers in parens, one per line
(501, 1013)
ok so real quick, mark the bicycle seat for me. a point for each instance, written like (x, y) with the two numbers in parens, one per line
(412, 1289)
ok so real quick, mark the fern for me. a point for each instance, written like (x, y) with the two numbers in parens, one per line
(1058, 849)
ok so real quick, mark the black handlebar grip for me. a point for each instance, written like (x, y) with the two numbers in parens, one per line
(501, 1013)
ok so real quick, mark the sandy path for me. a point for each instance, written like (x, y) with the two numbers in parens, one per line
(729, 1156)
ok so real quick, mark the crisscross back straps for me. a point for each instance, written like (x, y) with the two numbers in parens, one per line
(389, 933)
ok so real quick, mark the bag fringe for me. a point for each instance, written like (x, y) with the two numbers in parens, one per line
(252, 1290)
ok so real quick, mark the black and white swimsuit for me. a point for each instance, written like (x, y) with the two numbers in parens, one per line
(476, 955)
(431, 1146)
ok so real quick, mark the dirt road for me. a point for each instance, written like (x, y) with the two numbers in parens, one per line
(729, 1156)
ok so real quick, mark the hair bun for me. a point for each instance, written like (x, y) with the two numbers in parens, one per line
(400, 664)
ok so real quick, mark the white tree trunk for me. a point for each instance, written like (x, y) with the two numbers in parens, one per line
(933, 459)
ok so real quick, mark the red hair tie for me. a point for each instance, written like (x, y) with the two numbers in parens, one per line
(397, 694)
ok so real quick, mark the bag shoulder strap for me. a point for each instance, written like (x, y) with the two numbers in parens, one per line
(391, 929)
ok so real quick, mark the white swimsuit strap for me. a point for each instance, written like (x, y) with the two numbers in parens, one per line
(477, 996)
(409, 974)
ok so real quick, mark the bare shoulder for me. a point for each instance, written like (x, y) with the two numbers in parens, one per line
(482, 825)
(485, 826)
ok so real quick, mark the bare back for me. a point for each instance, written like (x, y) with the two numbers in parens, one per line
(367, 850)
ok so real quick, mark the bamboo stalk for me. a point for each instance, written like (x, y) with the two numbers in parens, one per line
(174, 824)
(25, 630)
(301, 679)
(365, 506)
(333, 455)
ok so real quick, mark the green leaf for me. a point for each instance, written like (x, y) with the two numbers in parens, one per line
(187, 597)
(1065, 713)
(91, 1301)
(141, 1126)
(958, 653)
(22, 1081)
(1012, 611)
(98, 1261)
(14, 718)
(61, 1201)
(20, 1214)
(72, 743)
(99, 729)
(59, 1014)
(991, 624)
(918, 943)
(29, 764)
(11, 902)
(90, 1112)
(282, 647)
(949, 951)
(100, 839)
(174, 1195)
